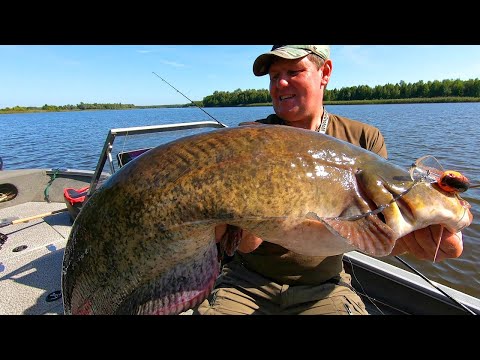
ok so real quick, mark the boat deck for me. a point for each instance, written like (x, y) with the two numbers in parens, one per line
(31, 262)
(31, 259)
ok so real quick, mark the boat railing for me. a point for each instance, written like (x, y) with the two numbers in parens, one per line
(106, 154)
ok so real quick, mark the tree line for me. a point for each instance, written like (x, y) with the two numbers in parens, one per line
(402, 90)
(431, 89)
(442, 91)
(81, 106)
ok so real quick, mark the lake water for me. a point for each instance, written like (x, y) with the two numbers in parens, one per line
(450, 132)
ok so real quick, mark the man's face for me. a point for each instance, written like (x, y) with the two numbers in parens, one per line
(295, 87)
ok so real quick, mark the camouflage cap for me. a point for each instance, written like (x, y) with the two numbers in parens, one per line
(262, 63)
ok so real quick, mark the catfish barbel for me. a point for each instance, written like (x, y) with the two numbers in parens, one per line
(144, 242)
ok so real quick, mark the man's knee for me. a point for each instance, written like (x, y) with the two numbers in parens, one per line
(328, 299)
(227, 301)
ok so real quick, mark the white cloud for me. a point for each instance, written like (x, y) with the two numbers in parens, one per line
(172, 63)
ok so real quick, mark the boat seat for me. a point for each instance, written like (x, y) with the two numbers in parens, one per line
(74, 199)
(126, 156)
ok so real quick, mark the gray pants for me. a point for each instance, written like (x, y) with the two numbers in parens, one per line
(239, 291)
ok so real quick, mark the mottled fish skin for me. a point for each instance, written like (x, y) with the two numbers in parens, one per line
(144, 242)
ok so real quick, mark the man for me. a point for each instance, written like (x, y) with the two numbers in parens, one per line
(265, 278)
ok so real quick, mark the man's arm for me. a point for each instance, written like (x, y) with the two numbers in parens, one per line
(422, 243)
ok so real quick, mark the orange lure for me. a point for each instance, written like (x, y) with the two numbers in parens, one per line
(453, 181)
(428, 168)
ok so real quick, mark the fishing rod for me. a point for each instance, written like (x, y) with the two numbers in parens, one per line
(436, 287)
(185, 96)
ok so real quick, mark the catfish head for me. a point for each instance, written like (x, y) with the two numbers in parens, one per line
(398, 206)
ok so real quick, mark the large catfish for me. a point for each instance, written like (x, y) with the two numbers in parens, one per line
(144, 242)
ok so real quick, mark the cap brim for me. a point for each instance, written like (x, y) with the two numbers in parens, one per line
(262, 63)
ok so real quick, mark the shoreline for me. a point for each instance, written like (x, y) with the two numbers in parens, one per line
(351, 102)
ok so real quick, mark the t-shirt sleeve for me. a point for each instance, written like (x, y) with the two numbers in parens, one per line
(377, 144)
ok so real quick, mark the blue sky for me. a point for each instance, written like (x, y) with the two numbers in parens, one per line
(34, 75)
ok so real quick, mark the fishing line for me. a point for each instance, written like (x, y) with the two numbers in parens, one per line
(185, 96)
(124, 142)
(376, 211)
(363, 289)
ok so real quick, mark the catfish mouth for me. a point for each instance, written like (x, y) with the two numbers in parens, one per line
(391, 196)
(374, 225)
(407, 213)
(466, 206)
(398, 200)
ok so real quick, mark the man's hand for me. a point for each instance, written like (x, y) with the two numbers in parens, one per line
(248, 243)
(423, 244)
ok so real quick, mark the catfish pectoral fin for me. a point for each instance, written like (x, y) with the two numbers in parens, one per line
(368, 234)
